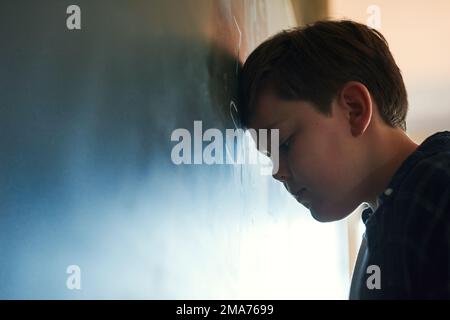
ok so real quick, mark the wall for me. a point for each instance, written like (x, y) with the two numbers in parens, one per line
(86, 172)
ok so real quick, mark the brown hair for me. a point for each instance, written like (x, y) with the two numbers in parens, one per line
(312, 63)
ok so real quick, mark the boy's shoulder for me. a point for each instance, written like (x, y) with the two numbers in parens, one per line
(425, 192)
(428, 174)
(422, 200)
(419, 192)
(408, 236)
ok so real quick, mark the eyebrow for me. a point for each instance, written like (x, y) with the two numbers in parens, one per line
(275, 125)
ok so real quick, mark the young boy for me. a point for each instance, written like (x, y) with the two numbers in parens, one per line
(338, 99)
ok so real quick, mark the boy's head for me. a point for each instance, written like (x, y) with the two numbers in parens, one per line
(336, 95)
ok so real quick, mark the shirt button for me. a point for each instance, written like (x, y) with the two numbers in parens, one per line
(388, 191)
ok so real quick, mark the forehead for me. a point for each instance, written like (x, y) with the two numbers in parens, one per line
(271, 111)
(265, 112)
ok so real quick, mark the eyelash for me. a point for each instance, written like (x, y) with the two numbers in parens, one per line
(286, 143)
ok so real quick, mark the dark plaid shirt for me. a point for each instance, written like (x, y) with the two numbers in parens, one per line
(408, 235)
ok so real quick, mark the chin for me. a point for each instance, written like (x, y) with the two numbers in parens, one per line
(328, 215)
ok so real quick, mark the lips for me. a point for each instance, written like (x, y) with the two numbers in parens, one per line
(300, 193)
(301, 197)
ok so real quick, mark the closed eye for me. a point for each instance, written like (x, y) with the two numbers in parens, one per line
(286, 144)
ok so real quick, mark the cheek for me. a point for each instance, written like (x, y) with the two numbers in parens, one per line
(325, 163)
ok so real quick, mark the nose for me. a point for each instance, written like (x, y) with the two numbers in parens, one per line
(283, 173)
(280, 177)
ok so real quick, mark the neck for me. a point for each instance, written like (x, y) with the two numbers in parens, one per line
(393, 147)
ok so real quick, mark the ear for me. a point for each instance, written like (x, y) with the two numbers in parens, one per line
(356, 102)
